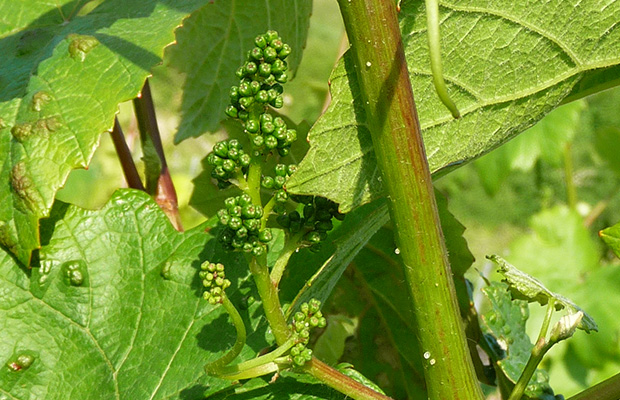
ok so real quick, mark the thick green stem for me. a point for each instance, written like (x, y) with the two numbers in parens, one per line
(233, 371)
(609, 389)
(271, 302)
(434, 47)
(538, 352)
(215, 367)
(253, 180)
(341, 382)
(379, 63)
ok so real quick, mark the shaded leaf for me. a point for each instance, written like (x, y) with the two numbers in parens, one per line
(135, 325)
(64, 70)
(507, 64)
(526, 287)
(508, 345)
(357, 229)
(213, 43)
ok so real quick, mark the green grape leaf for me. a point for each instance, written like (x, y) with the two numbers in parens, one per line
(64, 70)
(116, 304)
(213, 43)
(507, 64)
(329, 347)
(525, 287)
(508, 345)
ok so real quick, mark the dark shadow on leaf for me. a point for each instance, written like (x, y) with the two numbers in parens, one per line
(195, 392)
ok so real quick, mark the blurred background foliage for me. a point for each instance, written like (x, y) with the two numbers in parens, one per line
(539, 201)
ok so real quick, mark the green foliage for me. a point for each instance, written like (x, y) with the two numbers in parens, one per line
(87, 61)
(114, 303)
(214, 42)
(134, 309)
(550, 48)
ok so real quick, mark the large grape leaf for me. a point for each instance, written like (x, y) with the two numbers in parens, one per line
(135, 326)
(65, 67)
(213, 43)
(507, 64)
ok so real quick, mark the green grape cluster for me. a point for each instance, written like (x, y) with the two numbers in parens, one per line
(308, 317)
(242, 220)
(260, 86)
(316, 218)
(227, 160)
(276, 183)
(214, 280)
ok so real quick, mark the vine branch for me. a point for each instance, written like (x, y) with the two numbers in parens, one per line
(159, 182)
(124, 155)
(379, 63)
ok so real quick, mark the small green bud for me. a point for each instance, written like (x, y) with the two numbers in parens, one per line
(284, 52)
(299, 316)
(277, 103)
(284, 151)
(268, 127)
(282, 77)
(244, 200)
(258, 251)
(229, 165)
(260, 42)
(244, 160)
(252, 125)
(250, 68)
(299, 360)
(281, 196)
(246, 102)
(276, 44)
(255, 86)
(314, 306)
(271, 35)
(265, 235)
(242, 232)
(247, 247)
(271, 142)
(264, 70)
(270, 54)
(262, 96)
(232, 111)
(221, 149)
(245, 90)
(267, 182)
(279, 182)
(278, 67)
(258, 141)
(305, 308)
(230, 202)
(256, 53)
(280, 169)
(235, 223)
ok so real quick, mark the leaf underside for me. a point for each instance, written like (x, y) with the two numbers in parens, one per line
(506, 64)
(526, 287)
(65, 67)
